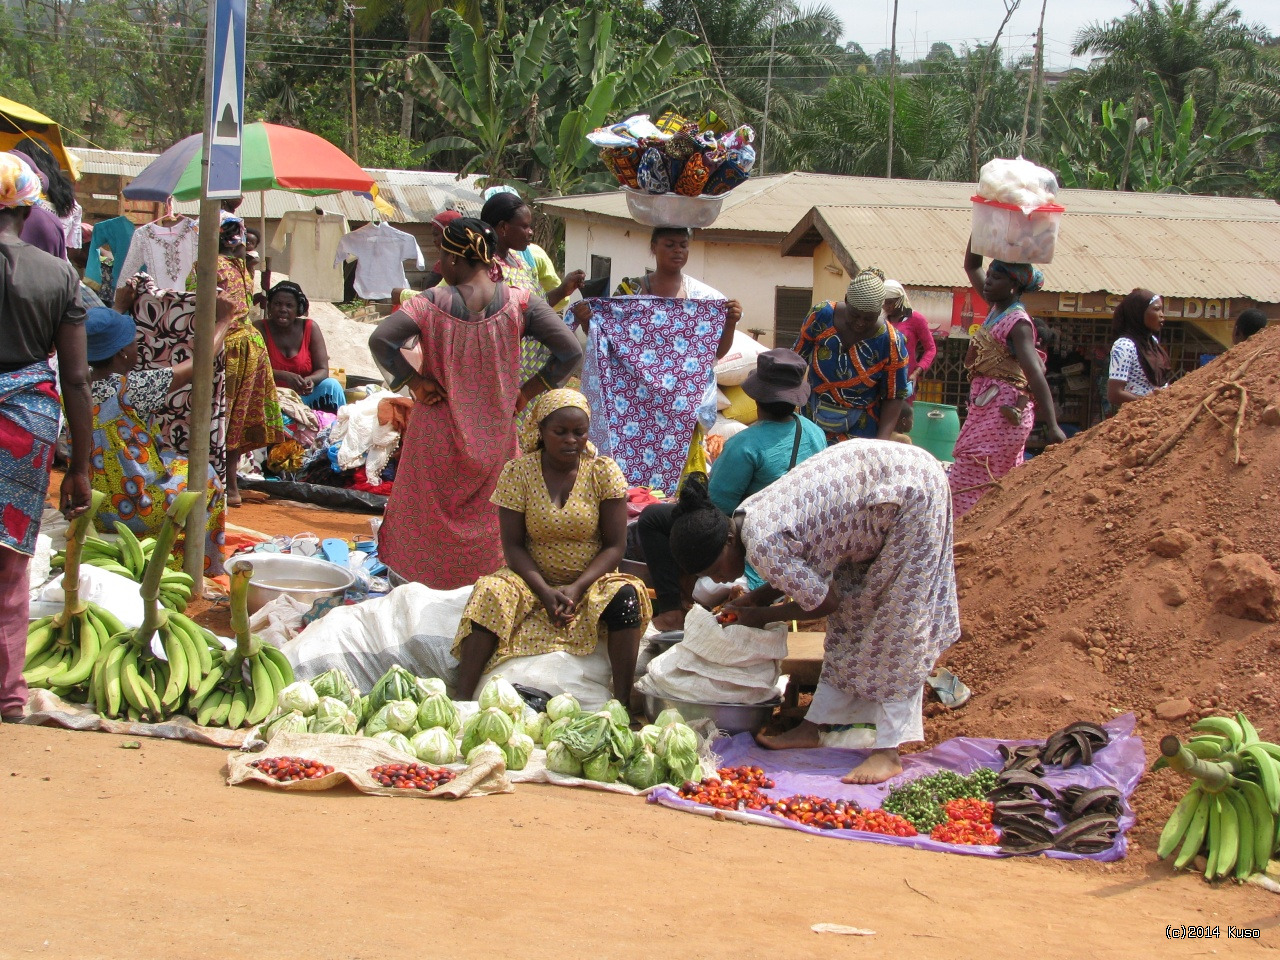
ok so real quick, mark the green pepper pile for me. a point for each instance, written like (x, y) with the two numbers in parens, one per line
(921, 801)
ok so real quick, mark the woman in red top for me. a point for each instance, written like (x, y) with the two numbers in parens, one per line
(921, 349)
(296, 347)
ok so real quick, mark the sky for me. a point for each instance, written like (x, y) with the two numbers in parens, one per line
(925, 22)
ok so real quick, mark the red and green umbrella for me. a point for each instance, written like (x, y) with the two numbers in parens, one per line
(272, 158)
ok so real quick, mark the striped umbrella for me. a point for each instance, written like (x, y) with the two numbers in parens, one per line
(272, 158)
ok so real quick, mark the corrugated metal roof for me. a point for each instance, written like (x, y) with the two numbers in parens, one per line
(416, 195)
(774, 204)
(1176, 256)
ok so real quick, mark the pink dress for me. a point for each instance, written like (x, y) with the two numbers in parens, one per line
(989, 445)
(920, 343)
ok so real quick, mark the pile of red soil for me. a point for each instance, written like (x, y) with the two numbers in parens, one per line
(1094, 582)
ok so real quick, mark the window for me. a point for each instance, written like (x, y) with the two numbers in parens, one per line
(790, 306)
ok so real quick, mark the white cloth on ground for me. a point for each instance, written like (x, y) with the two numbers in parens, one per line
(169, 253)
(305, 246)
(362, 439)
(381, 251)
(895, 721)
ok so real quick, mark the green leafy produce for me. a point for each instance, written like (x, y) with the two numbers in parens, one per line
(501, 694)
(364, 711)
(667, 717)
(291, 722)
(649, 736)
(683, 769)
(327, 707)
(588, 734)
(435, 745)
(563, 706)
(555, 729)
(428, 686)
(601, 767)
(494, 724)
(560, 760)
(397, 740)
(299, 696)
(475, 751)
(402, 716)
(625, 743)
(396, 684)
(677, 742)
(645, 769)
(621, 716)
(377, 723)
(344, 723)
(339, 685)
(518, 750)
(921, 801)
(535, 727)
(437, 710)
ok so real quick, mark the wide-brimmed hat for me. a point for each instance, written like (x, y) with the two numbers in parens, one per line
(780, 376)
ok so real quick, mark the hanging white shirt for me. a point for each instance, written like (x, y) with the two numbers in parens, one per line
(381, 251)
(305, 247)
(168, 253)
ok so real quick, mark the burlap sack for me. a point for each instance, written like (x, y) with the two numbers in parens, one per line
(353, 757)
(733, 645)
(48, 709)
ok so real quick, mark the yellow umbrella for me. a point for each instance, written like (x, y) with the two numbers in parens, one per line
(18, 122)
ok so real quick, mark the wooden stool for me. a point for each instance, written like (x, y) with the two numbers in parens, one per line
(803, 663)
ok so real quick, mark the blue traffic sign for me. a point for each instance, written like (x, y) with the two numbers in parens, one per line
(226, 109)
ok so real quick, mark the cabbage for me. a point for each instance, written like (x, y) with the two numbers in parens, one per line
(435, 745)
(363, 710)
(299, 696)
(560, 760)
(396, 684)
(667, 717)
(402, 716)
(397, 740)
(337, 684)
(600, 768)
(475, 751)
(291, 722)
(491, 724)
(684, 769)
(429, 685)
(620, 715)
(555, 728)
(518, 750)
(345, 724)
(437, 710)
(564, 705)
(649, 736)
(499, 693)
(625, 742)
(328, 707)
(376, 724)
(588, 734)
(535, 727)
(645, 769)
(677, 741)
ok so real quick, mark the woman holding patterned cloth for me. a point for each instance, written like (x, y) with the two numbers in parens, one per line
(857, 363)
(1008, 382)
(254, 419)
(562, 512)
(139, 476)
(457, 348)
(861, 534)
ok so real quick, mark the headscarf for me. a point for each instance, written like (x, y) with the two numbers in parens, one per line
(1029, 278)
(445, 217)
(1129, 321)
(230, 232)
(547, 404)
(471, 239)
(19, 185)
(699, 528)
(893, 290)
(288, 286)
(866, 291)
(106, 333)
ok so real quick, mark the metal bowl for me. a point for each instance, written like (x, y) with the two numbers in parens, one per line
(729, 717)
(667, 639)
(303, 578)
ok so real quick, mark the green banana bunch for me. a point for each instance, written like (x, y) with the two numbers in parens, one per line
(1232, 811)
(128, 557)
(243, 684)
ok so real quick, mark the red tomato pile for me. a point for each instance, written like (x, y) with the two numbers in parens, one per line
(968, 824)
(411, 776)
(289, 769)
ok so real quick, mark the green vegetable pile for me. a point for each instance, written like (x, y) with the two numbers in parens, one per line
(921, 800)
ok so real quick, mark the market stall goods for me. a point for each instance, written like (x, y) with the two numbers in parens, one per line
(289, 769)
(410, 776)
(1230, 812)
(128, 556)
(689, 158)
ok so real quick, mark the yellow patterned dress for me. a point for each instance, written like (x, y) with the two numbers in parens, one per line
(562, 541)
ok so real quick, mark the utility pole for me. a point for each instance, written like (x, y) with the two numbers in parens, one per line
(768, 89)
(893, 85)
(1033, 84)
(351, 35)
(1040, 70)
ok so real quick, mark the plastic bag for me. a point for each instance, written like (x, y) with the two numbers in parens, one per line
(1017, 182)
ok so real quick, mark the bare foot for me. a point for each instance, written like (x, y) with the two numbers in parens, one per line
(882, 765)
(807, 736)
(670, 620)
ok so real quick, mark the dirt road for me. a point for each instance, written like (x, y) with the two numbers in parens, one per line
(115, 853)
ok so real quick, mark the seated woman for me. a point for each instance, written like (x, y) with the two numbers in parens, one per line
(140, 479)
(857, 363)
(299, 358)
(860, 534)
(562, 512)
(749, 462)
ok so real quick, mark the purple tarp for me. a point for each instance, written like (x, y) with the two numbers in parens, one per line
(1119, 764)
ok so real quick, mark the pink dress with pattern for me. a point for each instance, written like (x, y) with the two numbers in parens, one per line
(989, 446)
(872, 518)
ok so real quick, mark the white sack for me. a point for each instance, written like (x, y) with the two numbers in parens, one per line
(110, 590)
(740, 361)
